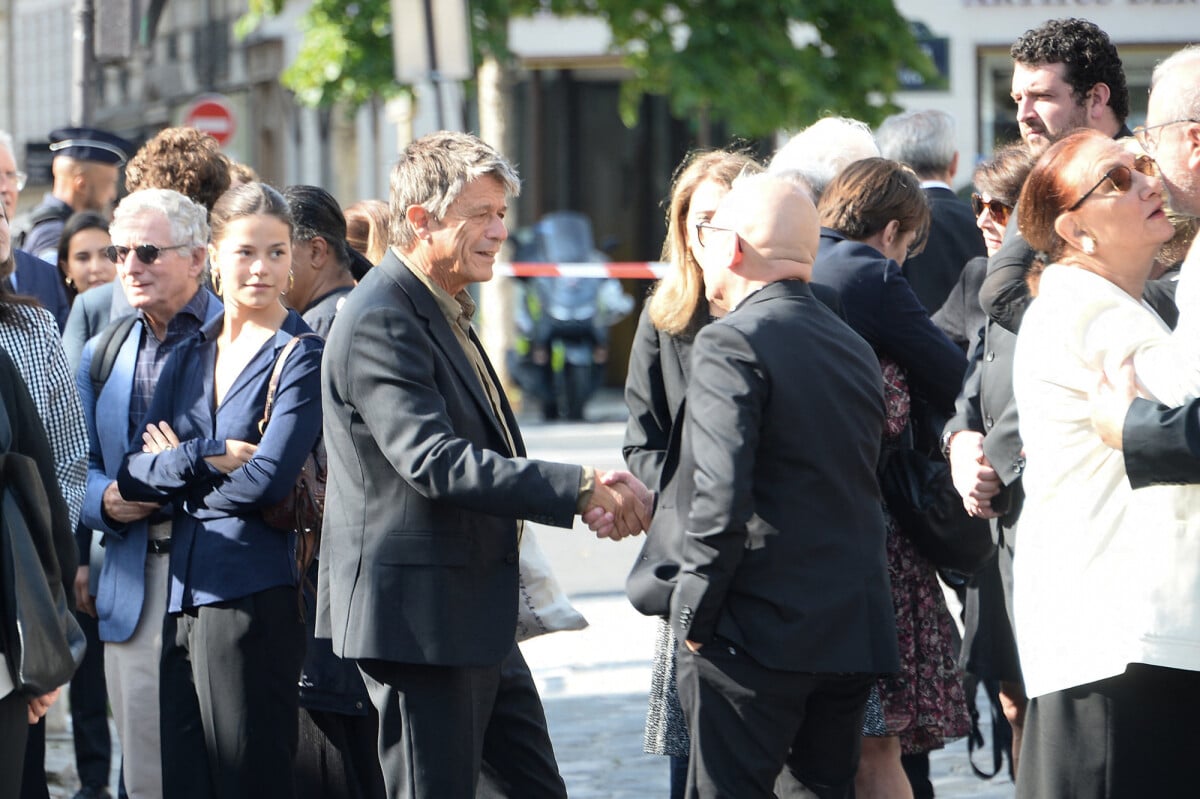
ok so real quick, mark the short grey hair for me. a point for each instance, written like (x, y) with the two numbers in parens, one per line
(6, 141)
(922, 139)
(1184, 100)
(432, 172)
(188, 219)
(819, 152)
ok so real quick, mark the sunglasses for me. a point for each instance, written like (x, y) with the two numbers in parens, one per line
(1121, 177)
(146, 253)
(999, 210)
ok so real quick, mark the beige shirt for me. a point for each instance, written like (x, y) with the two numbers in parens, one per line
(459, 310)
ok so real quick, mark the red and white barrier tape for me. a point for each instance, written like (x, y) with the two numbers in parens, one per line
(641, 270)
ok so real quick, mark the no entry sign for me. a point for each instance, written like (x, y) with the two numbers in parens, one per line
(213, 115)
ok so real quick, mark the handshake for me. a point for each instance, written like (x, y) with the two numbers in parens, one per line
(620, 506)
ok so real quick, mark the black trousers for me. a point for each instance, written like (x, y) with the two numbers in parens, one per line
(245, 657)
(1132, 735)
(89, 710)
(449, 732)
(748, 723)
(14, 727)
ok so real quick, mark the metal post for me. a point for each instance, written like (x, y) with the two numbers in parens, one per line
(83, 63)
(435, 79)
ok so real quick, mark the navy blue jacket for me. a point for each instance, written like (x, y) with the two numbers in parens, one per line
(222, 549)
(882, 308)
(42, 281)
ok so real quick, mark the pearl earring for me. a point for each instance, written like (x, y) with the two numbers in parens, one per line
(1088, 244)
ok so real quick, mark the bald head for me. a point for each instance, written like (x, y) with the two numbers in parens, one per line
(777, 238)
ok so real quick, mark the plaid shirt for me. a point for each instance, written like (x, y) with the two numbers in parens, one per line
(152, 356)
(31, 339)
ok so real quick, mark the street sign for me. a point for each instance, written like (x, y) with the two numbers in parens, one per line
(212, 114)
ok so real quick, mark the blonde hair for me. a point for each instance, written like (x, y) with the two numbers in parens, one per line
(678, 305)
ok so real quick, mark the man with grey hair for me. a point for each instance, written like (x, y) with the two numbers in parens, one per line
(1162, 445)
(31, 276)
(924, 140)
(159, 245)
(429, 487)
(818, 153)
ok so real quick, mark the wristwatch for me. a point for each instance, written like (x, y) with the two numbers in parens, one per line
(946, 438)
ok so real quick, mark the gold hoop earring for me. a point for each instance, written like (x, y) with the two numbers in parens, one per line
(215, 279)
(291, 282)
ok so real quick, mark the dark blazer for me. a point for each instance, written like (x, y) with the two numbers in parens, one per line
(961, 317)
(419, 557)
(785, 553)
(881, 307)
(221, 549)
(21, 432)
(953, 240)
(38, 279)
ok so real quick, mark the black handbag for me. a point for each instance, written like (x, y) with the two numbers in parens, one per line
(916, 485)
(43, 642)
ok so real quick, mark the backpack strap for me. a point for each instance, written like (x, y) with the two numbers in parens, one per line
(273, 384)
(108, 347)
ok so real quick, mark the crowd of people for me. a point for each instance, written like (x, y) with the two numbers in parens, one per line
(170, 368)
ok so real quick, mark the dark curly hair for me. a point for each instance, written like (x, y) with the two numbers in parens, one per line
(185, 160)
(1090, 58)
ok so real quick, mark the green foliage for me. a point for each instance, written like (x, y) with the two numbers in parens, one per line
(736, 61)
(761, 66)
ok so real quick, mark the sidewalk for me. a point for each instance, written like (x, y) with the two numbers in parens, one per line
(593, 684)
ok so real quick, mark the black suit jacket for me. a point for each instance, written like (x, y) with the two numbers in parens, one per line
(881, 307)
(419, 553)
(953, 240)
(785, 553)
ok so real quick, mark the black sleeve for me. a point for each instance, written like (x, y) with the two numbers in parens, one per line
(1162, 445)
(29, 438)
(1004, 295)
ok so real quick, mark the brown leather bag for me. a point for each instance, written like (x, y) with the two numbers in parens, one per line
(302, 510)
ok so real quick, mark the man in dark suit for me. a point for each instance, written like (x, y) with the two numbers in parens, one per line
(783, 600)
(1162, 445)
(924, 140)
(1067, 75)
(32, 276)
(428, 487)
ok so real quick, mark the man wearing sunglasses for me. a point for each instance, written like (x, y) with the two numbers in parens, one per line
(159, 239)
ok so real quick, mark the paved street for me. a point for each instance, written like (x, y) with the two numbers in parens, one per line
(594, 681)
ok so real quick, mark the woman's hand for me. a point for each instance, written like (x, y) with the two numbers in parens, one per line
(237, 454)
(159, 438)
(40, 704)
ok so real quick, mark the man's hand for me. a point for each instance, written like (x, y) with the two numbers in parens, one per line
(974, 478)
(83, 597)
(237, 454)
(621, 506)
(1110, 402)
(40, 704)
(121, 510)
(693, 646)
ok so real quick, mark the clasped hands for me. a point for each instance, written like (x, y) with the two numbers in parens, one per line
(620, 506)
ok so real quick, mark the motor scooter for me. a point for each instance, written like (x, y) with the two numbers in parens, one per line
(566, 318)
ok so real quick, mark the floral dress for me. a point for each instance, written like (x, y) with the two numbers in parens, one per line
(924, 702)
